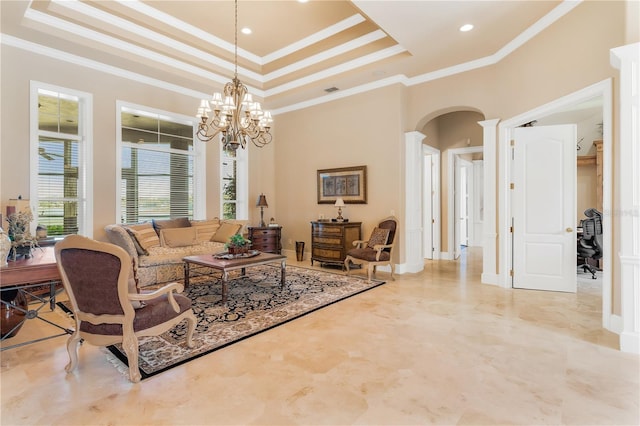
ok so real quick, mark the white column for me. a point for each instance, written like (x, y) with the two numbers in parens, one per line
(478, 203)
(412, 223)
(490, 236)
(626, 59)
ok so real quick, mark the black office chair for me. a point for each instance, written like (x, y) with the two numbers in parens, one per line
(590, 245)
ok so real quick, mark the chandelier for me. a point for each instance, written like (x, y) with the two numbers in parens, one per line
(236, 117)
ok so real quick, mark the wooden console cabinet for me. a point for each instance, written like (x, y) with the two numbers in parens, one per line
(330, 241)
(266, 239)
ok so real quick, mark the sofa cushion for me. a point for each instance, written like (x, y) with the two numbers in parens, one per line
(180, 222)
(133, 288)
(205, 229)
(144, 235)
(178, 237)
(225, 232)
(378, 236)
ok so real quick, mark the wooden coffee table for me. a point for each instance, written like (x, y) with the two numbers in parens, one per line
(227, 265)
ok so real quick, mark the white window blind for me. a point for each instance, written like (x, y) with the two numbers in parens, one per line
(157, 166)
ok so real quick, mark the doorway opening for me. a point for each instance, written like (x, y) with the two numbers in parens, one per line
(570, 102)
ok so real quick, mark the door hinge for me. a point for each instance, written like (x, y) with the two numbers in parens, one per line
(433, 221)
(510, 272)
(511, 229)
(511, 185)
(513, 142)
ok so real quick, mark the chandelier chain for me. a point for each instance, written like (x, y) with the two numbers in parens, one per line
(235, 41)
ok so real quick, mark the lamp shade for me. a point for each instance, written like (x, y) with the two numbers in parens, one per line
(339, 202)
(262, 201)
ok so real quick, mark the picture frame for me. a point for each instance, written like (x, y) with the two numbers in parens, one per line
(348, 183)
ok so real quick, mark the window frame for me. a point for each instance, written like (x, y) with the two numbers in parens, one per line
(199, 154)
(85, 153)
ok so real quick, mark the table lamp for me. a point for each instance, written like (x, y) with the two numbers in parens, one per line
(339, 204)
(262, 203)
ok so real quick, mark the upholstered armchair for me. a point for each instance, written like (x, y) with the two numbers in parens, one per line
(106, 304)
(375, 251)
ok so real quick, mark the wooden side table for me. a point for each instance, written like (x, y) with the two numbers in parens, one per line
(267, 239)
(25, 276)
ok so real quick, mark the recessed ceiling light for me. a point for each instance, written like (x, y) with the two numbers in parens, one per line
(302, 1)
(246, 30)
(466, 27)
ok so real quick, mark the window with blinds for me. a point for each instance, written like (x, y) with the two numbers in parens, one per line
(234, 182)
(157, 166)
(229, 178)
(59, 185)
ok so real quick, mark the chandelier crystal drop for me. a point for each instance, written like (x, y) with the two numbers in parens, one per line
(236, 117)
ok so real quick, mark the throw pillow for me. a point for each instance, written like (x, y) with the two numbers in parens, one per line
(205, 229)
(180, 222)
(136, 244)
(145, 236)
(225, 232)
(378, 236)
(178, 237)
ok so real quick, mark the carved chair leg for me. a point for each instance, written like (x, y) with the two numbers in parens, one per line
(72, 348)
(392, 270)
(192, 321)
(370, 270)
(347, 261)
(130, 346)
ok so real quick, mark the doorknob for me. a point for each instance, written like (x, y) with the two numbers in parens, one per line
(569, 229)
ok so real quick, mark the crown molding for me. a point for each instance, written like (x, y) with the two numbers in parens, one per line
(562, 9)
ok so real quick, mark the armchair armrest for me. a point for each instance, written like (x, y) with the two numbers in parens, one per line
(169, 289)
(379, 247)
(360, 243)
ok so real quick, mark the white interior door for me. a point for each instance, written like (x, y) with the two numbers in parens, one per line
(544, 208)
(428, 208)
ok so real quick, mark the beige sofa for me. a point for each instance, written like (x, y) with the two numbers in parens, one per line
(157, 247)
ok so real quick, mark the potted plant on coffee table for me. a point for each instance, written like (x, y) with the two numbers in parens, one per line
(238, 244)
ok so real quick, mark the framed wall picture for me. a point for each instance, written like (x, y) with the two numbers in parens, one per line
(348, 183)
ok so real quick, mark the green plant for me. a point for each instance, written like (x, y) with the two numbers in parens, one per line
(237, 240)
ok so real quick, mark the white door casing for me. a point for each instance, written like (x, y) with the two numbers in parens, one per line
(433, 195)
(427, 210)
(544, 212)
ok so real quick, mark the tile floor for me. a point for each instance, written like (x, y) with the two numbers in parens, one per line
(436, 347)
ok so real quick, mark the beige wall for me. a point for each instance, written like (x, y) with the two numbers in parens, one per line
(361, 130)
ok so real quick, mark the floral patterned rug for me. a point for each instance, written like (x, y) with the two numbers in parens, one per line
(255, 303)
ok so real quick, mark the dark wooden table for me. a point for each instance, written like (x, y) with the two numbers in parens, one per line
(28, 275)
(227, 265)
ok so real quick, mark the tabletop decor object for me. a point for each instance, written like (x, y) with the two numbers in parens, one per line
(238, 244)
(262, 203)
(22, 241)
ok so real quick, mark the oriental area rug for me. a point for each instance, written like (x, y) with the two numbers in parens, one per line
(255, 303)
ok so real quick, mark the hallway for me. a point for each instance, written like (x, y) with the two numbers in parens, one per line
(437, 347)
